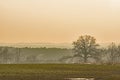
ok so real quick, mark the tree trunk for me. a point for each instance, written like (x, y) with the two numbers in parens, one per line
(85, 58)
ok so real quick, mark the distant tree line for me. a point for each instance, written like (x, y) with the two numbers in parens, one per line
(32, 55)
(85, 50)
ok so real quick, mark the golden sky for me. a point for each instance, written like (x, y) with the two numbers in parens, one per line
(59, 21)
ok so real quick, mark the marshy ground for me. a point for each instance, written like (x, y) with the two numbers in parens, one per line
(58, 71)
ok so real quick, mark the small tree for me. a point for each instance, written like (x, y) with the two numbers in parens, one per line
(113, 53)
(118, 53)
(85, 47)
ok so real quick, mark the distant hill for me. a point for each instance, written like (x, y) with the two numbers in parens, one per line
(47, 45)
(38, 45)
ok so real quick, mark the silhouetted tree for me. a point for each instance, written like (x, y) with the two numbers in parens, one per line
(3, 54)
(18, 55)
(113, 52)
(85, 47)
(118, 53)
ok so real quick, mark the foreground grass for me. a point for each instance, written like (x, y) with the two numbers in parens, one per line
(58, 71)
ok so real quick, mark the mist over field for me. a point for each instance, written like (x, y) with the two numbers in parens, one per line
(22, 53)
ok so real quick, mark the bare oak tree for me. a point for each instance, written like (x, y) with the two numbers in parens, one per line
(85, 47)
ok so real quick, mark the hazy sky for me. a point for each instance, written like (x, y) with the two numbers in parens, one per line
(59, 21)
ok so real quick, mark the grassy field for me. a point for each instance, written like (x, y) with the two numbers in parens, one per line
(58, 71)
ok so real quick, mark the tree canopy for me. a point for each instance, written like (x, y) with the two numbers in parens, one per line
(85, 47)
